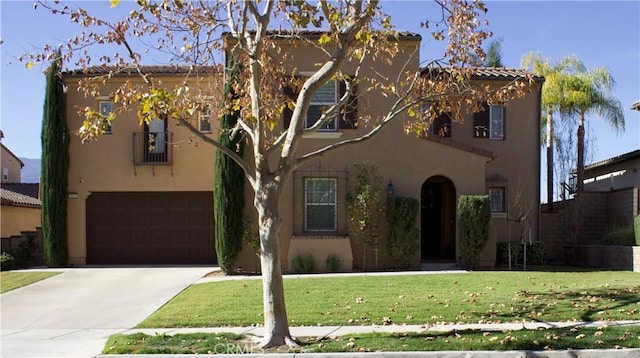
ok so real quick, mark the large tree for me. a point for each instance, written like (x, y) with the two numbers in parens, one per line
(353, 32)
(55, 161)
(553, 100)
(590, 92)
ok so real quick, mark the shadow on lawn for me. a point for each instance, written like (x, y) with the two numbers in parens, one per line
(592, 305)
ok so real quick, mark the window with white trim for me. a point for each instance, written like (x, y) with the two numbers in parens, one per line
(496, 122)
(5, 173)
(496, 199)
(325, 97)
(106, 107)
(205, 117)
(320, 204)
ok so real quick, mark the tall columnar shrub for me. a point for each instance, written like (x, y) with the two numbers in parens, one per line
(473, 227)
(55, 162)
(636, 229)
(364, 205)
(402, 236)
(228, 193)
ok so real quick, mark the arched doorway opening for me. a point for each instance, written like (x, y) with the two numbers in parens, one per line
(438, 219)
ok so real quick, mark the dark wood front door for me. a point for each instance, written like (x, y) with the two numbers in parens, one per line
(437, 219)
(150, 228)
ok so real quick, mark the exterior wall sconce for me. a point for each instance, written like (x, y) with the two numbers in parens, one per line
(390, 188)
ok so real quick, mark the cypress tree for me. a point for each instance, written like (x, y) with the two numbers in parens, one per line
(228, 194)
(55, 162)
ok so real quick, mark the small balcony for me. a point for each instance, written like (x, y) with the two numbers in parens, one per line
(152, 148)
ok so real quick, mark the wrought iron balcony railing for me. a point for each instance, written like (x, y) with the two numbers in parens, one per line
(152, 148)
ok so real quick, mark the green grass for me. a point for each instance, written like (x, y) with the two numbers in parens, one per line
(10, 280)
(476, 297)
(539, 340)
(197, 343)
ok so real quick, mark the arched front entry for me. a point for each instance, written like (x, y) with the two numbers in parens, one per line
(438, 219)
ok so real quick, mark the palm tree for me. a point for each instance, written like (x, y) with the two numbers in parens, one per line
(552, 99)
(590, 92)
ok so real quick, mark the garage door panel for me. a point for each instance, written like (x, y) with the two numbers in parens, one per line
(150, 228)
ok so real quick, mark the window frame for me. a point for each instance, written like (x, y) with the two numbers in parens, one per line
(5, 173)
(102, 105)
(324, 106)
(207, 108)
(333, 204)
(503, 191)
(445, 123)
(493, 131)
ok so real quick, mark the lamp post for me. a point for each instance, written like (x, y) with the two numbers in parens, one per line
(390, 188)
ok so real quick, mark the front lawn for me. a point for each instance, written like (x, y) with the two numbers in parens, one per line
(476, 297)
(10, 280)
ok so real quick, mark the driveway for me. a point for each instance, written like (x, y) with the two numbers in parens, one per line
(73, 314)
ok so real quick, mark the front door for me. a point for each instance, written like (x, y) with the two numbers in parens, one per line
(437, 218)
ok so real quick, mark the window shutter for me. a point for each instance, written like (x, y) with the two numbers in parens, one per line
(481, 122)
(287, 112)
(349, 113)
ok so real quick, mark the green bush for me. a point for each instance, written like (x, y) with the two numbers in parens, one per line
(636, 228)
(535, 252)
(333, 263)
(304, 264)
(473, 227)
(621, 235)
(402, 237)
(6, 261)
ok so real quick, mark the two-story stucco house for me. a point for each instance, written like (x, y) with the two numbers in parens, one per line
(142, 195)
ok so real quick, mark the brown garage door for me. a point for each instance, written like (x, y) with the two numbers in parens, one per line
(150, 228)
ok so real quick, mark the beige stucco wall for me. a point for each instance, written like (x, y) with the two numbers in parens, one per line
(16, 219)
(13, 166)
(107, 165)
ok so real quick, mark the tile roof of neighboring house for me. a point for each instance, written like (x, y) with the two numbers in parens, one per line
(20, 194)
(492, 73)
(167, 70)
(614, 160)
(315, 34)
(636, 105)
(15, 156)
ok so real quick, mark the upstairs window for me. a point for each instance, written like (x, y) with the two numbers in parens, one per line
(5, 173)
(442, 126)
(490, 122)
(205, 117)
(328, 95)
(106, 107)
(322, 100)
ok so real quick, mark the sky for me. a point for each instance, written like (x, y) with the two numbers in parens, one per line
(600, 33)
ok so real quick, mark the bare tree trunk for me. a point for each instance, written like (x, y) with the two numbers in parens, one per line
(580, 160)
(550, 159)
(276, 324)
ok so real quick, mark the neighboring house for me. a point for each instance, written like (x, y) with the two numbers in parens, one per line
(132, 201)
(20, 208)
(20, 201)
(619, 172)
(11, 166)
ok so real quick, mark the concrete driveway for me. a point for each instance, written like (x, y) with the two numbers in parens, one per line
(73, 314)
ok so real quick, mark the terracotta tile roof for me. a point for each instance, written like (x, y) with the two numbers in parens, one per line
(20, 194)
(492, 73)
(315, 34)
(165, 70)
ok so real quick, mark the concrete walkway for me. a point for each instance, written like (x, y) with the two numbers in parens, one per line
(72, 314)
